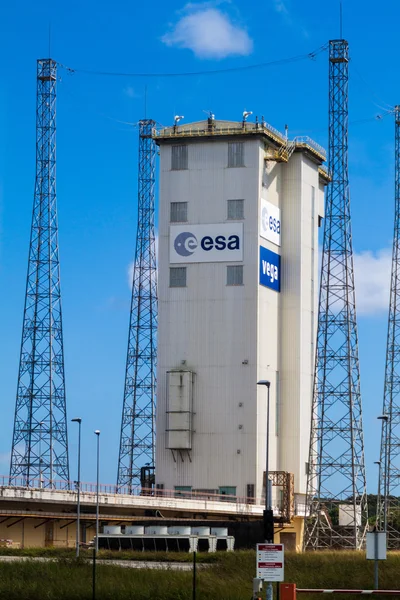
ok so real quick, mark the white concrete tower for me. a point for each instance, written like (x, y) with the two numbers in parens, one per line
(238, 258)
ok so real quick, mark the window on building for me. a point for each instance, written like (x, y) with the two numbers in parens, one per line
(183, 490)
(178, 212)
(179, 157)
(236, 154)
(177, 277)
(235, 209)
(226, 492)
(159, 489)
(234, 275)
(250, 493)
(205, 494)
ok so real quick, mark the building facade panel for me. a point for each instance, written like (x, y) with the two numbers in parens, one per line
(206, 328)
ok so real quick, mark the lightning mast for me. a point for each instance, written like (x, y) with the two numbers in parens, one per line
(137, 441)
(336, 486)
(389, 485)
(40, 447)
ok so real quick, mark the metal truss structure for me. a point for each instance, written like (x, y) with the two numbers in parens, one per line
(285, 481)
(40, 444)
(389, 484)
(137, 440)
(336, 485)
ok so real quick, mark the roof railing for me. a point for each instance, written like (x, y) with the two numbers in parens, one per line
(304, 140)
(238, 129)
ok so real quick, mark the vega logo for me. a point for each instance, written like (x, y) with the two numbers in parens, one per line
(206, 243)
(270, 267)
(270, 222)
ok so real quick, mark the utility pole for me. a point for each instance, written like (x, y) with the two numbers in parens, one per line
(78, 489)
(390, 441)
(137, 441)
(336, 485)
(42, 452)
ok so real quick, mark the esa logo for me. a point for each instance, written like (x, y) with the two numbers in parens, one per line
(186, 243)
(269, 222)
(215, 242)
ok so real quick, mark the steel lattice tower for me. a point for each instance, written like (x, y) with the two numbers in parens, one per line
(138, 414)
(336, 487)
(390, 442)
(40, 446)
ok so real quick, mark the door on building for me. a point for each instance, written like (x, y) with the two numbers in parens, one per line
(49, 533)
(289, 540)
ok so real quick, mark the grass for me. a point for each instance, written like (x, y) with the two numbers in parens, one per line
(229, 578)
(69, 553)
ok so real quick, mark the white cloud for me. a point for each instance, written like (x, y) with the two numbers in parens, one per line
(129, 273)
(130, 92)
(282, 9)
(131, 265)
(209, 33)
(372, 281)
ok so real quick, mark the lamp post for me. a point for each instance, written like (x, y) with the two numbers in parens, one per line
(97, 433)
(78, 483)
(267, 531)
(385, 418)
(377, 527)
(40, 454)
(96, 546)
(378, 499)
(268, 513)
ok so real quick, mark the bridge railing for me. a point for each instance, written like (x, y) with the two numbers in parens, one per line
(70, 487)
(112, 489)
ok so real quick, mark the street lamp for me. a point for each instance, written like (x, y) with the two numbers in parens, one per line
(378, 500)
(268, 513)
(267, 534)
(385, 418)
(40, 454)
(97, 433)
(78, 483)
(96, 546)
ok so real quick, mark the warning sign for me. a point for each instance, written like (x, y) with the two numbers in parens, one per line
(270, 562)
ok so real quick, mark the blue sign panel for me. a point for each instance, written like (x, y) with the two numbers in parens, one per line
(270, 269)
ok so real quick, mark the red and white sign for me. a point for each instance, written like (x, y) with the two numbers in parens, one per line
(270, 562)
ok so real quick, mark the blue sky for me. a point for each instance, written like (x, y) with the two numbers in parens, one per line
(97, 156)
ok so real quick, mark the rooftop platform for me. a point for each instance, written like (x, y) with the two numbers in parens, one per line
(211, 128)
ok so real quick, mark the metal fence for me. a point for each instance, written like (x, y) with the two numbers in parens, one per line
(40, 485)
